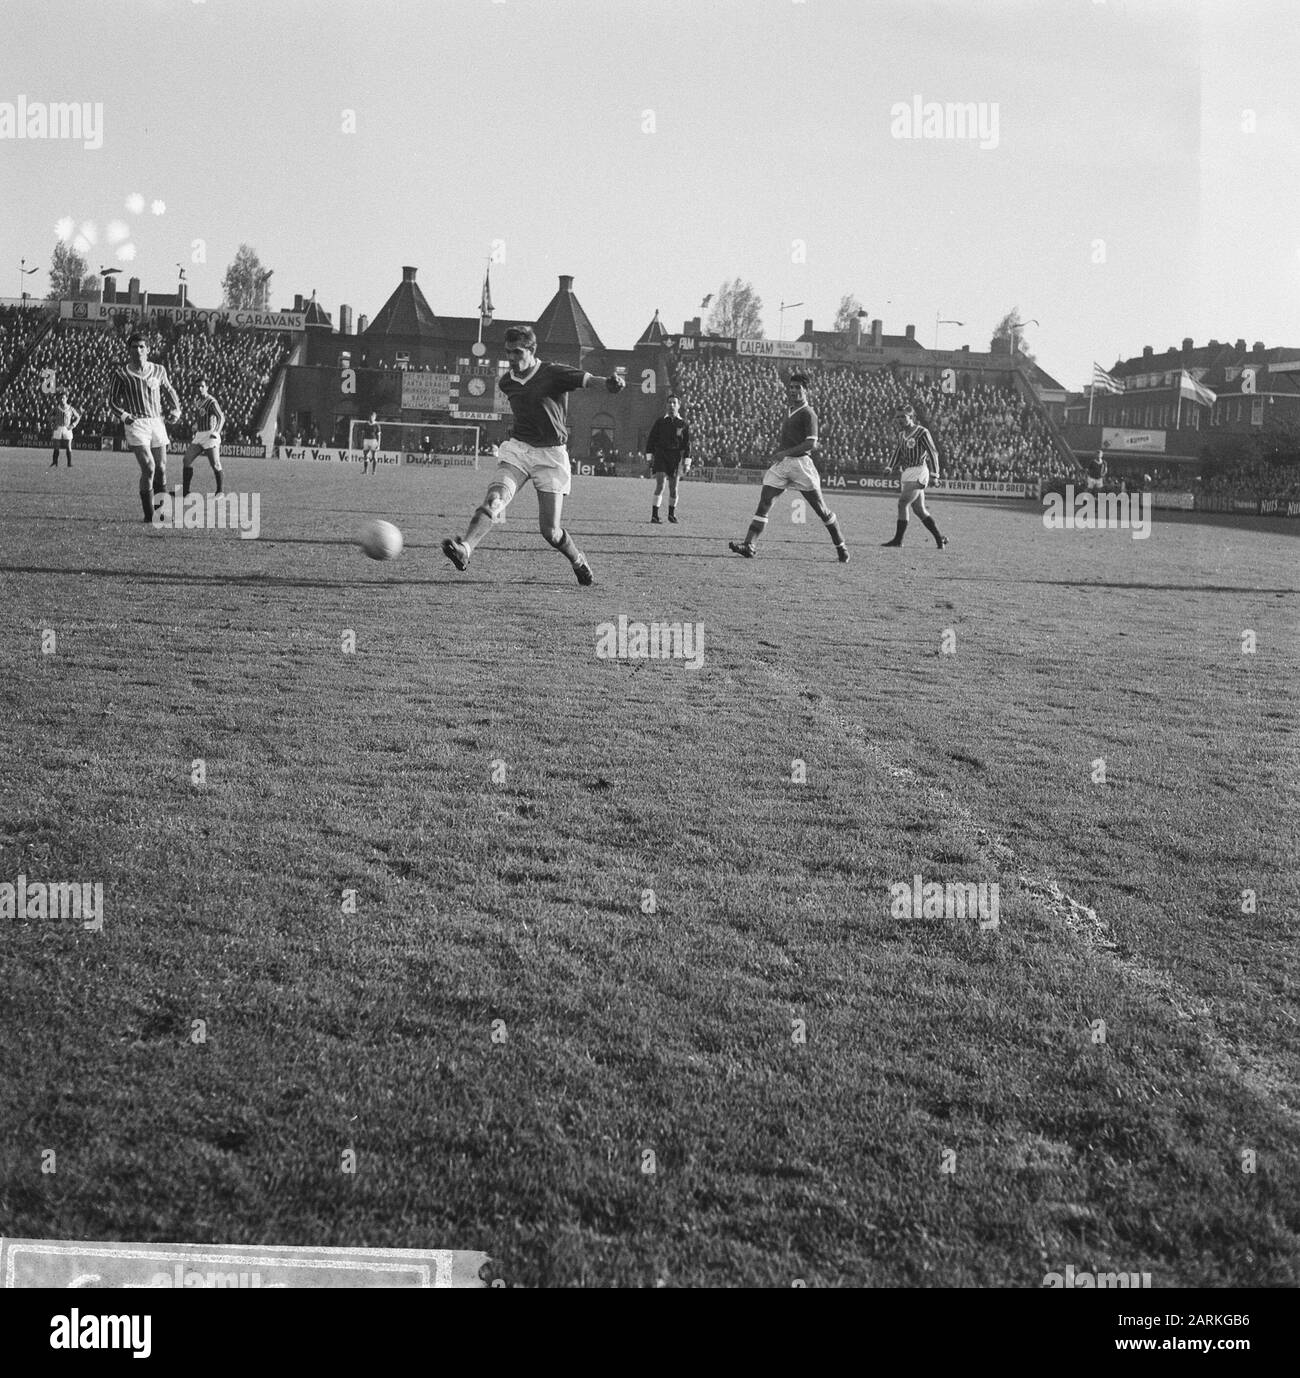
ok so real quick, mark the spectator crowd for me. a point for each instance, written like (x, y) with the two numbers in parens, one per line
(736, 406)
(239, 366)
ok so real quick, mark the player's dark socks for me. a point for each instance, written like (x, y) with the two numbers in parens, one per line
(567, 548)
(756, 527)
(54, 460)
(831, 523)
(898, 534)
(146, 504)
(928, 522)
(219, 477)
(188, 479)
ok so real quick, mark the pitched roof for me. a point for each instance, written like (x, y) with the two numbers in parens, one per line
(565, 323)
(654, 333)
(406, 313)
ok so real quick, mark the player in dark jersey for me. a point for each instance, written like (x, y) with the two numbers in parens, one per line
(370, 433)
(669, 446)
(209, 420)
(66, 419)
(537, 449)
(136, 397)
(792, 467)
(917, 456)
(1095, 471)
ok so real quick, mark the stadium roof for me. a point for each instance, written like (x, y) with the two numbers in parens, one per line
(406, 313)
(565, 323)
(654, 333)
(1038, 375)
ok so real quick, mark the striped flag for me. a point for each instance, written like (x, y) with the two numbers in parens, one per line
(1188, 387)
(1103, 380)
(485, 302)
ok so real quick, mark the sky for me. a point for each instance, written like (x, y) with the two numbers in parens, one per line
(1141, 186)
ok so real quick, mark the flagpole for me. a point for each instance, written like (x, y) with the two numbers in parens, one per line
(1092, 392)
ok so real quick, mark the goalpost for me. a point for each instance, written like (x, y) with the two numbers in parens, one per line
(447, 445)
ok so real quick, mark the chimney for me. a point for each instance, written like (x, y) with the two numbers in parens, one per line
(1214, 344)
(1187, 344)
(910, 332)
(1257, 347)
(1147, 352)
(1241, 346)
(345, 320)
(965, 349)
(807, 326)
(297, 301)
(408, 274)
(857, 331)
(110, 289)
(182, 295)
(691, 327)
(877, 332)
(133, 290)
(363, 324)
(566, 282)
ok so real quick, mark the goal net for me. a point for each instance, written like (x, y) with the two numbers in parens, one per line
(433, 444)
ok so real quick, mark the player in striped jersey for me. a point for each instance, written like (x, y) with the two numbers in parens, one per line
(136, 397)
(918, 457)
(66, 420)
(792, 467)
(209, 418)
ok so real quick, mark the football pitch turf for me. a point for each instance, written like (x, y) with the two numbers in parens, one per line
(470, 937)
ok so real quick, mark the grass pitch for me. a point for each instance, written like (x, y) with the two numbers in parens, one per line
(616, 1000)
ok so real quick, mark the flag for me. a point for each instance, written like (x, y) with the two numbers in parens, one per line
(1103, 380)
(706, 301)
(1190, 388)
(485, 302)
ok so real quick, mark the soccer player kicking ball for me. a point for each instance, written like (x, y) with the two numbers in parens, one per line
(209, 418)
(918, 456)
(536, 450)
(136, 397)
(668, 445)
(792, 467)
(370, 432)
(66, 420)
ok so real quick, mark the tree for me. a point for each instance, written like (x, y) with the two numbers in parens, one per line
(245, 281)
(737, 311)
(846, 318)
(69, 279)
(1003, 333)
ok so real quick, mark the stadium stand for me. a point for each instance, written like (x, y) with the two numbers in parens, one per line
(238, 364)
(18, 328)
(735, 408)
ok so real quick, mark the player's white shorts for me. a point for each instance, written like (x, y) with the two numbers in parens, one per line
(795, 471)
(207, 440)
(1094, 485)
(546, 465)
(61, 433)
(148, 431)
(918, 475)
(369, 447)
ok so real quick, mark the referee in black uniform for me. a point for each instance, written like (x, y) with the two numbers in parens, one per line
(668, 444)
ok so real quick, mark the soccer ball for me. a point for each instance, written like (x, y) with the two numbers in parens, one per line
(381, 541)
